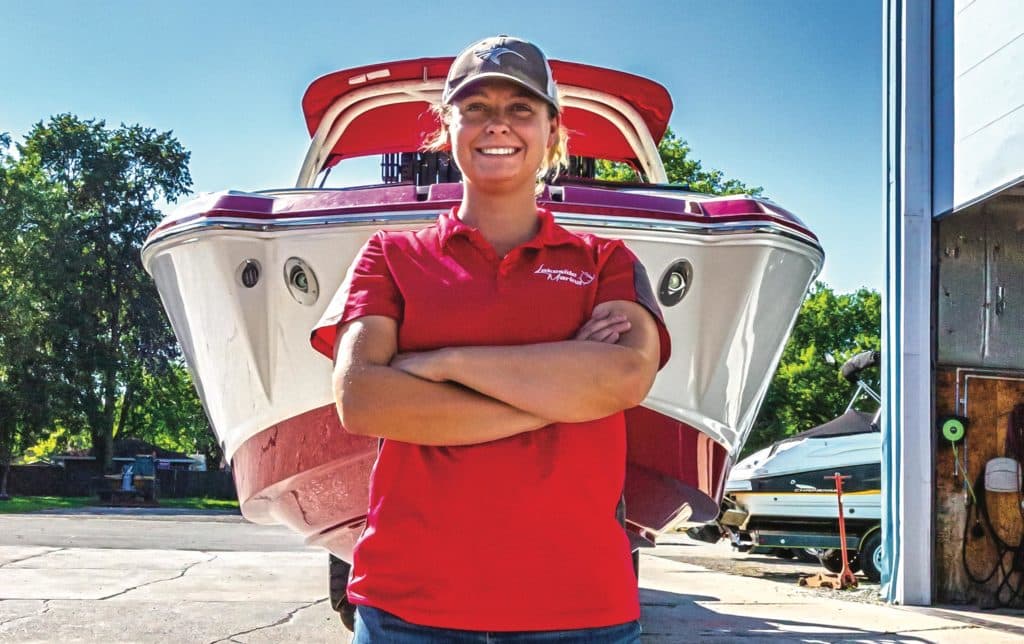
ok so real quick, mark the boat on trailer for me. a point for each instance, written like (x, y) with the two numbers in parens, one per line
(782, 498)
(244, 276)
(784, 487)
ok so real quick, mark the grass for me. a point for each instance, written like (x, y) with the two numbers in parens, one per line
(199, 503)
(23, 504)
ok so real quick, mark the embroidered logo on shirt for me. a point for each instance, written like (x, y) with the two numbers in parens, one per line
(581, 278)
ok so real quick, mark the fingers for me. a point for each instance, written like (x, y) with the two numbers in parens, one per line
(617, 323)
(609, 336)
(605, 329)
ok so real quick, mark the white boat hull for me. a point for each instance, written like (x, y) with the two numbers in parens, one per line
(786, 483)
(258, 377)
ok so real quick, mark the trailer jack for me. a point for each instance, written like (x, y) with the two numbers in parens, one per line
(845, 579)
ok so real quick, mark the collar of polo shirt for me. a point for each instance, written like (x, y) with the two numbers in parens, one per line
(549, 234)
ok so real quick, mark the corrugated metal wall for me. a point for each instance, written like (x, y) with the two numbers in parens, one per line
(981, 285)
(988, 98)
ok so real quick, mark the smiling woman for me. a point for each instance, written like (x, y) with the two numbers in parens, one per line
(500, 135)
(503, 116)
(495, 421)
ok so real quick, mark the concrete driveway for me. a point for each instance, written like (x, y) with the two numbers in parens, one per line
(149, 576)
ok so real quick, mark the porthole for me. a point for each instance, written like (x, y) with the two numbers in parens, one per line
(248, 273)
(675, 283)
(301, 281)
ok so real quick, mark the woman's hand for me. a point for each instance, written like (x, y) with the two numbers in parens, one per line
(428, 365)
(604, 325)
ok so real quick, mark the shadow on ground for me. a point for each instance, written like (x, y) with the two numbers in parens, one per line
(663, 613)
(135, 511)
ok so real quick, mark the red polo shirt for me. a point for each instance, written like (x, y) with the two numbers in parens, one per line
(517, 534)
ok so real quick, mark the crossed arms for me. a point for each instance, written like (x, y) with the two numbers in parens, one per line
(469, 395)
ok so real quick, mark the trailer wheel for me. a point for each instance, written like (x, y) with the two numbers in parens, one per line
(832, 560)
(871, 556)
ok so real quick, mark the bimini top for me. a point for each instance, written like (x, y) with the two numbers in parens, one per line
(383, 108)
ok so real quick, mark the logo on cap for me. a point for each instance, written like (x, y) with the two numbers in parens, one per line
(494, 54)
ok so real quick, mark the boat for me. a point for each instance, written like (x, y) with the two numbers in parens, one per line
(244, 276)
(781, 496)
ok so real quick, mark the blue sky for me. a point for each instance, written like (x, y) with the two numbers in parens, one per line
(785, 94)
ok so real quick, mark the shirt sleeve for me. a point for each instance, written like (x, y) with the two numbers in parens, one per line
(623, 277)
(368, 289)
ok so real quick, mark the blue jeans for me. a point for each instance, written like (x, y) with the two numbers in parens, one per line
(374, 626)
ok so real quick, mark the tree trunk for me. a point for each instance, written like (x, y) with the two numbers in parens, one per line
(3, 480)
(126, 408)
(107, 417)
(107, 443)
(8, 428)
(111, 368)
(102, 442)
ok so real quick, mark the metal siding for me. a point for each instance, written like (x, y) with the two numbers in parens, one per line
(998, 21)
(1005, 347)
(960, 5)
(988, 97)
(942, 108)
(981, 251)
(961, 289)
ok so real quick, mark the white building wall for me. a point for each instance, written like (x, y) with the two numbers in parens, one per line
(988, 99)
(954, 135)
(906, 339)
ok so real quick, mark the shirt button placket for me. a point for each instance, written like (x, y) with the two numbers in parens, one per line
(499, 280)
(506, 267)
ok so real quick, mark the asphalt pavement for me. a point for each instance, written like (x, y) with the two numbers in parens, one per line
(145, 576)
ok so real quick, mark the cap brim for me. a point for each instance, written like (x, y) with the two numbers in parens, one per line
(496, 76)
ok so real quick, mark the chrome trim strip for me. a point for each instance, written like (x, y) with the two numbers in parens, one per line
(719, 228)
(426, 217)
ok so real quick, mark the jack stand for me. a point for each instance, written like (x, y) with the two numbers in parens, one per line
(844, 579)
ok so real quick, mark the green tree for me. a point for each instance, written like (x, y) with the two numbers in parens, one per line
(101, 310)
(26, 349)
(167, 413)
(681, 169)
(807, 390)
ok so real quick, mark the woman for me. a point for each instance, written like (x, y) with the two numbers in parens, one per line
(494, 353)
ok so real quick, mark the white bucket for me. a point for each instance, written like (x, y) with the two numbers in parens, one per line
(1002, 475)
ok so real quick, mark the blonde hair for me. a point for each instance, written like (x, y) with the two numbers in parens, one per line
(556, 158)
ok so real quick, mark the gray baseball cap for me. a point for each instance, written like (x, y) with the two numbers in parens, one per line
(504, 57)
